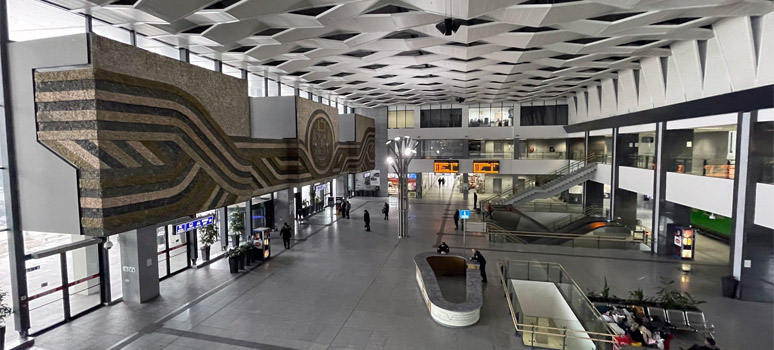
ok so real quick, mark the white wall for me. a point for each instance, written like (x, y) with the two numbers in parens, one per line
(635, 180)
(602, 175)
(733, 63)
(764, 205)
(701, 192)
(48, 185)
(273, 117)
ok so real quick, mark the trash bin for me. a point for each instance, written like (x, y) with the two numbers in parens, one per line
(729, 286)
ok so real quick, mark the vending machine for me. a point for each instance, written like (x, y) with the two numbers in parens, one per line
(684, 239)
(261, 239)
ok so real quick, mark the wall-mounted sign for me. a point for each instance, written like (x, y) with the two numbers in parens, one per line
(447, 166)
(412, 175)
(464, 214)
(320, 187)
(486, 167)
(191, 225)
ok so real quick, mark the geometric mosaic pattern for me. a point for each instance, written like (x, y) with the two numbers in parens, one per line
(148, 152)
(381, 52)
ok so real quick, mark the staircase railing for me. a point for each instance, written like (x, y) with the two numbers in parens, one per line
(570, 219)
(542, 181)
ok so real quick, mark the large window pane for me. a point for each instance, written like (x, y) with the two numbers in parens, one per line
(30, 20)
(157, 47)
(202, 62)
(273, 88)
(234, 72)
(254, 85)
(111, 32)
(410, 119)
(287, 90)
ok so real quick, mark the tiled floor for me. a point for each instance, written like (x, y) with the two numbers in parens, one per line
(340, 287)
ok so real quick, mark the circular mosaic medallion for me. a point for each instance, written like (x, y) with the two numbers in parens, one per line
(320, 140)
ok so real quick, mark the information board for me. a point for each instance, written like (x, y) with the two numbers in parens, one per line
(192, 225)
(465, 214)
(447, 166)
(486, 167)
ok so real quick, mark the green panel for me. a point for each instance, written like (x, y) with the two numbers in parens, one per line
(720, 225)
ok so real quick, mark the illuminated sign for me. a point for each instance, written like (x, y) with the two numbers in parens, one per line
(484, 167)
(412, 176)
(464, 214)
(200, 222)
(447, 166)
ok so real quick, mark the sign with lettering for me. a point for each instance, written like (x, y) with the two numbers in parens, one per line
(486, 167)
(447, 166)
(465, 214)
(192, 225)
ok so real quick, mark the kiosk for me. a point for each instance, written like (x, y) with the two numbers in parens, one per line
(684, 239)
(261, 239)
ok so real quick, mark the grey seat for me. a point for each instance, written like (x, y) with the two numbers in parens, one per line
(697, 321)
(677, 319)
(657, 311)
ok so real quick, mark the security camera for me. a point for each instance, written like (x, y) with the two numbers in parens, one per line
(449, 26)
(108, 244)
(459, 99)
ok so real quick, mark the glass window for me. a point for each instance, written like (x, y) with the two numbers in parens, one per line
(156, 46)
(341, 109)
(30, 20)
(3, 221)
(254, 85)
(111, 32)
(401, 120)
(441, 118)
(287, 90)
(544, 115)
(234, 72)
(203, 62)
(273, 88)
(392, 119)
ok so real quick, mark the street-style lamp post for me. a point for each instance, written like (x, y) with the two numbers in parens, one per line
(403, 150)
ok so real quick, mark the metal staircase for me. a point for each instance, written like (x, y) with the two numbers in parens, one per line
(545, 186)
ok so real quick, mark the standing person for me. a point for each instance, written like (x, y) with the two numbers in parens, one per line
(475, 199)
(367, 219)
(386, 210)
(456, 219)
(481, 262)
(489, 210)
(349, 206)
(285, 233)
(439, 182)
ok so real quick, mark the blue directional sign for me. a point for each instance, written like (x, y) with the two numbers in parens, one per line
(192, 225)
(465, 214)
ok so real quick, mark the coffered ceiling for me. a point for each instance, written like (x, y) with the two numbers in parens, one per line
(385, 52)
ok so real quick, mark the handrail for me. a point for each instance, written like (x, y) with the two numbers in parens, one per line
(564, 235)
(574, 217)
(521, 327)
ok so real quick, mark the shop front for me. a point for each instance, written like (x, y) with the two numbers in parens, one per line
(394, 186)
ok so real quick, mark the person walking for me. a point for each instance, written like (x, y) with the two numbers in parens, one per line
(481, 263)
(386, 210)
(456, 219)
(475, 199)
(367, 219)
(439, 182)
(285, 233)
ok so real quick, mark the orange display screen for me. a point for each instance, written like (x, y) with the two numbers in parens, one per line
(447, 166)
(480, 167)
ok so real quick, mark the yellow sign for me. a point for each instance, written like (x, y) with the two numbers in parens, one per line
(482, 167)
(447, 166)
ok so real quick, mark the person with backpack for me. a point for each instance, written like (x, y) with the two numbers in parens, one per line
(285, 233)
(386, 210)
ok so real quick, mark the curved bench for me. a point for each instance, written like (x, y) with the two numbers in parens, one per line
(445, 312)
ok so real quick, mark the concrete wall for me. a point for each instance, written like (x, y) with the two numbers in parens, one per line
(346, 127)
(636, 179)
(732, 60)
(709, 145)
(380, 117)
(48, 191)
(273, 117)
(764, 205)
(701, 192)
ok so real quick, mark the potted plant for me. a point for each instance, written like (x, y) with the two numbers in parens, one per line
(248, 252)
(236, 225)
(233, 260)
(207, 235)
(5, 311)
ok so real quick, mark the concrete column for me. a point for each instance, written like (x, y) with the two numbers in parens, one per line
(283, 207)
(139, 265)
(380, 117)
(464, 186)
(614, 175)
(419, 185)
(594, 193)
(248, 233)
(516, 150)
(222, 227)
(626, 208)
(86, 263)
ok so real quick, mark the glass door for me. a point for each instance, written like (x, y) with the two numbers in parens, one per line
(177, 254)
(44, 287)
(84, 288)
(162, 249)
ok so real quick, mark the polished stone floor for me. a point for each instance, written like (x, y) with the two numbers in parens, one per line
(340, 287)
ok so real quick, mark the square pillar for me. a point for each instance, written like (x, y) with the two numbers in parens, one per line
(139, 265)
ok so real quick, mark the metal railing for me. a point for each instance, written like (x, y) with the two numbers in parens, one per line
(551, 207)
(570, 219)
(542, 155)
(542, 181)
(635, 240)
(594, 328)
(491, 155)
